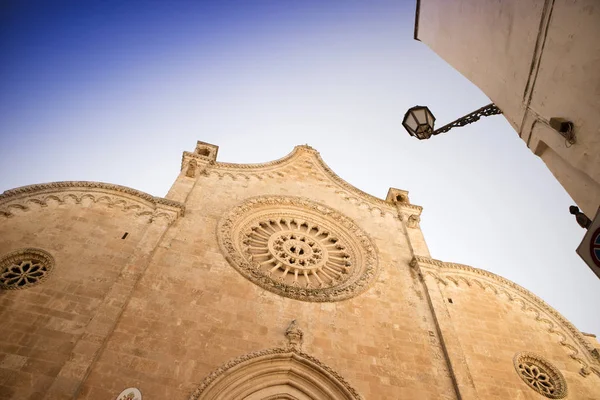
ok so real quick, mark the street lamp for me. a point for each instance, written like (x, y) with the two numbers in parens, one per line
(419, 120)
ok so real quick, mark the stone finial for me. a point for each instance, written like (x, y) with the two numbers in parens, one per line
(206, 151)
(397, 196)
(294, 335)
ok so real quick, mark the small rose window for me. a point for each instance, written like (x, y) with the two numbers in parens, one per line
(540, 375)
(24, 268)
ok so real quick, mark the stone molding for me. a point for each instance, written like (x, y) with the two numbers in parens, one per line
(211, 385)
(360, 276)
(296, 152)
(383, 205)
(188, 156)
(113, 195)
(281, 397)
(444, 273)
(274, 168)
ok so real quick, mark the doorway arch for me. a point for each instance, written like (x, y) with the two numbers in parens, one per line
(275, 374)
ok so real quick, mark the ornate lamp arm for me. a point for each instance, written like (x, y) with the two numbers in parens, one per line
(486, 111)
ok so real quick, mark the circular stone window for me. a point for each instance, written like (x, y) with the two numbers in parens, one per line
(540, 375)
(297, 248)
(24, 268)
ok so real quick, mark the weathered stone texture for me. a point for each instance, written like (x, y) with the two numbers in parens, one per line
(163, 309)
(193, 312)
(50, 332)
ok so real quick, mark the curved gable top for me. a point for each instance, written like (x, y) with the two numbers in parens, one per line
(580, 349)
(299, 154)
(19, 198)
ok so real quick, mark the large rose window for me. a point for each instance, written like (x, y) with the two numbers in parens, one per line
(298, 248)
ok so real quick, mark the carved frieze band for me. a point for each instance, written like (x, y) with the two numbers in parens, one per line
(457, 273)
(310, 160)
(198, 159)
(77, 191)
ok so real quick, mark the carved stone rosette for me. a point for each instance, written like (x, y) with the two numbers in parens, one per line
(540, 375)
(298, 249)
(24, 268)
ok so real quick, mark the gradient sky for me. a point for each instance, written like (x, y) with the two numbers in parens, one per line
(114, 91)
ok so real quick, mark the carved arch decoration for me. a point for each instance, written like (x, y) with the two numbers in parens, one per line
(142, 204)
(353, 194)
(569, 337)
(308, 158)
(298, 248)
(278, 373)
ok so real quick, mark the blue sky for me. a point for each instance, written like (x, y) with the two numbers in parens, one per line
(114, 91)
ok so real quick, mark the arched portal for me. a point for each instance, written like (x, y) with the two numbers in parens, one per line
(274, 374)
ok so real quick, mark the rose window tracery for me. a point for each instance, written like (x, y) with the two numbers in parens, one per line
(298, 253)
(298, 249)
(24, 268)
(540, 375)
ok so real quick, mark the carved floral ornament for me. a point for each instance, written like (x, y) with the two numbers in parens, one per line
(540, 375)
(298, 249)
(24, 268)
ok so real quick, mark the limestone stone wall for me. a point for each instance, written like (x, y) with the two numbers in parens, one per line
(186, 305)
(493, 320)
(193, 312)
(51, 332)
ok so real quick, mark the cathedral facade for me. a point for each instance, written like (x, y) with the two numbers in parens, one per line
(261, 281)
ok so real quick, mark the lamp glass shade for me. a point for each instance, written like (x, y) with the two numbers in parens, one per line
(419, 122)
(420, 115)
(411, 122)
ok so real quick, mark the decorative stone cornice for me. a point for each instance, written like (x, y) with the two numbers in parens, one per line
(354, 193)
(347, 391)
(188, 156)
(313, 160)
(298, 150)
(114, 195)
(445, 272)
